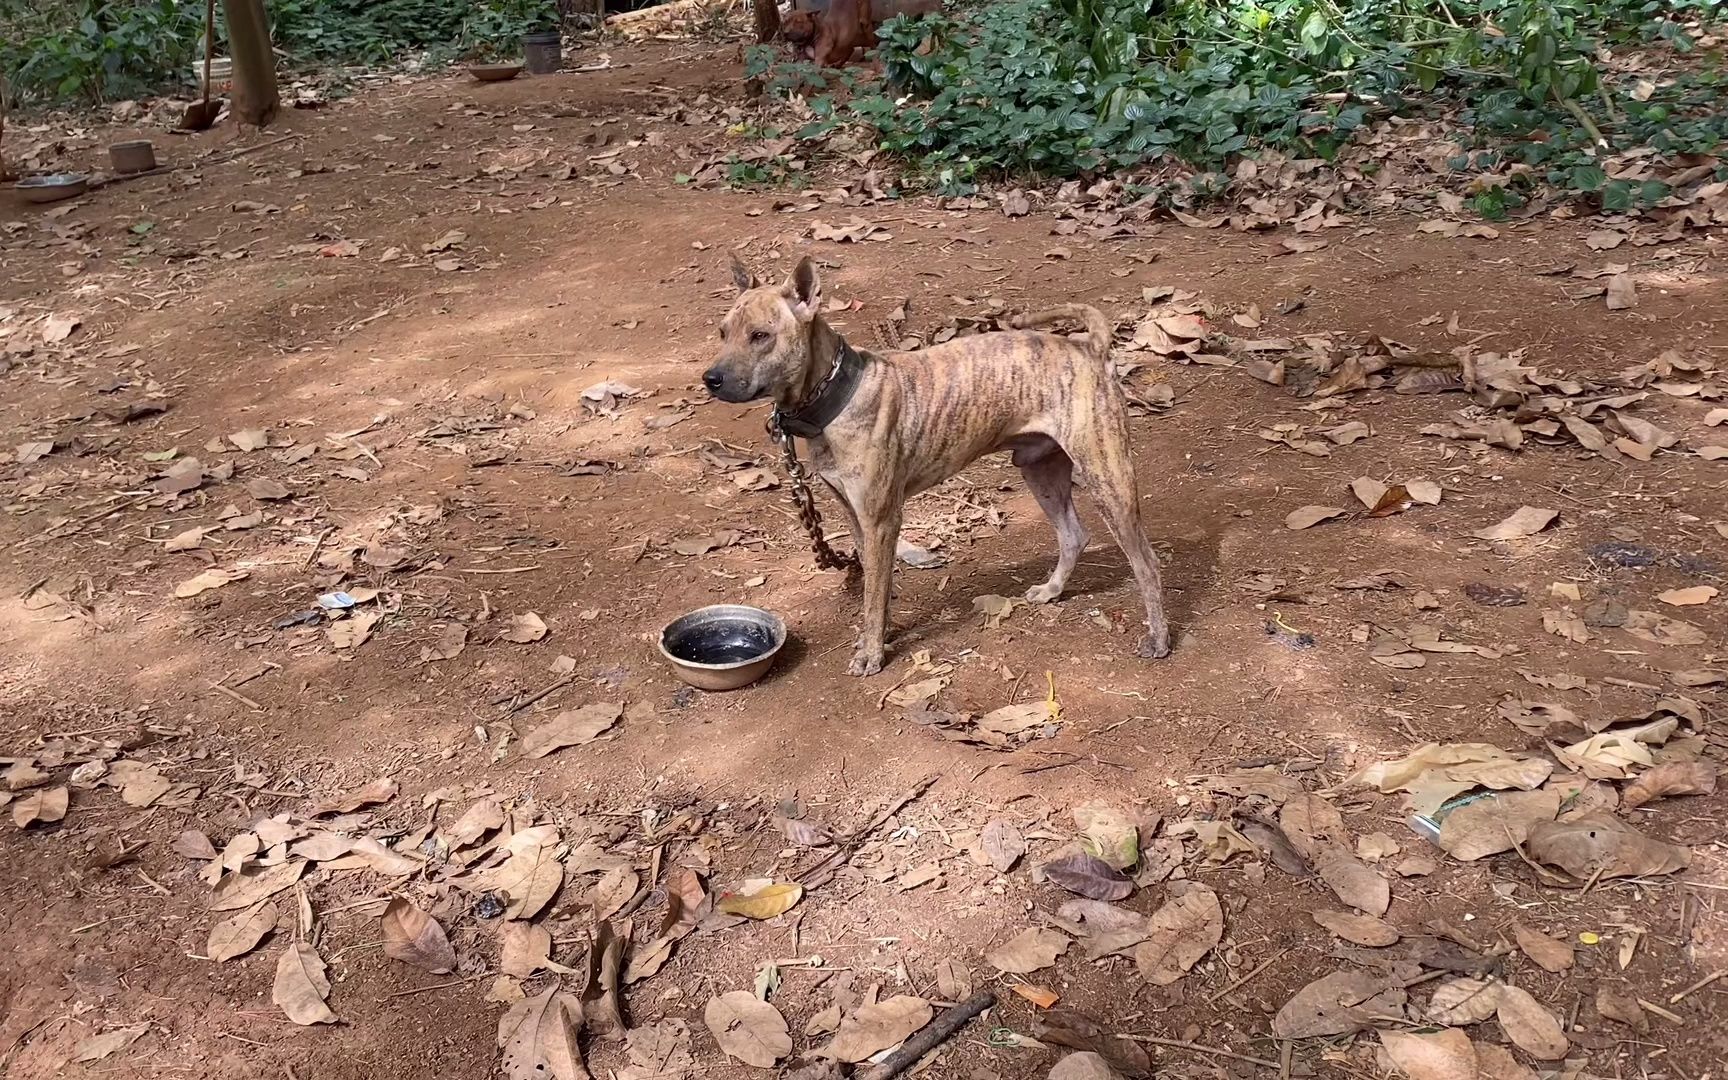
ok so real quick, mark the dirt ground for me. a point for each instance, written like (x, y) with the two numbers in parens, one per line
(460, 473)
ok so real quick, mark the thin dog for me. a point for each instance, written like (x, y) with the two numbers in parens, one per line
(883, 428)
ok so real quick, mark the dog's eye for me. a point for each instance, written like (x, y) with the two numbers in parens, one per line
(757, 337)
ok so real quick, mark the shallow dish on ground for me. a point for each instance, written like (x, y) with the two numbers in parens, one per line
(723, 647)
(52, 188)
(494, 72)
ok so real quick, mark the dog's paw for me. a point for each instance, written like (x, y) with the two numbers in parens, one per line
(865, 662)
(1154, 646)
(1042, 594)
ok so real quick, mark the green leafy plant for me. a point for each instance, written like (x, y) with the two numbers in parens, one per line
(90, 51)
(97, 50)
(1061, 87)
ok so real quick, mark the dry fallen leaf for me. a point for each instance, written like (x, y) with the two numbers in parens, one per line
(103, 1046)
(1464, 1000)
(750, 1030)
(378, 791)
(1089, 876)
(615, 889)
(57, 328)
(1359, 929)
(1697, 594)
(1601, 844)
(1525, 521)
(1002, 844)
(1084, 1065)
(1549, 953)
(573, 727)
(531, 874)
(1179, 933)
(1530, 1026)
(240, 934)
(771, 899)
(1108, 833)
(1308, 516)
(538, 1037)
(302, 986)
(1622, 292)
(1337, 1004)
(1619, 1005)
(213, 578)
(1668, 779)
(242, 890)
(525, 628)
(1030, 950)
(870, 1029)
(525, 949)
(1440, 1055)
(415, 938)
(352, 632)
(1310, 823)
(45, 807)
(1352, 880)
(602, 1008)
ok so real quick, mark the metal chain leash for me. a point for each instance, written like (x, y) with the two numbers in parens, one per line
(805, 502)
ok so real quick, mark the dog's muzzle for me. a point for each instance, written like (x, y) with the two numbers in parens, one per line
(728, 387)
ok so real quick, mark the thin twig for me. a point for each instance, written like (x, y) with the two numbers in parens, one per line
(1584, 120)
(557, 685)
(1218, 1051)
(317, 546)
(437, 986)
(1676, 998)
(229, 691)
(1238, 984)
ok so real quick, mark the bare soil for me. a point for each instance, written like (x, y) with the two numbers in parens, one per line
(204, 289)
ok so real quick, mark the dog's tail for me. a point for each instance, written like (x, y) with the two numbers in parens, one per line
(1098, 328)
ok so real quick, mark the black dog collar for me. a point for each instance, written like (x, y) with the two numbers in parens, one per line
(808, 419)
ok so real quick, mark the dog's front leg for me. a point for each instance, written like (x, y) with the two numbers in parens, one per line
(880, 532)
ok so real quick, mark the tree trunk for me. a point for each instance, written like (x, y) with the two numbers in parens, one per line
(256, 98)
(767, 20)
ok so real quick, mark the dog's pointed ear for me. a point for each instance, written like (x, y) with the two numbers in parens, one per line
(742, 277)
(804, 289)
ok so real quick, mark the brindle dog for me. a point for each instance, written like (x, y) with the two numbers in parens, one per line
(883, 428)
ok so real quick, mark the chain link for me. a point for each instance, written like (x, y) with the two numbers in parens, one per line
(805, 502)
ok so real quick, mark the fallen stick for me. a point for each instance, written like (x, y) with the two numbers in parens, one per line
(932, 1035)
(557, 684)
(1216, 1051)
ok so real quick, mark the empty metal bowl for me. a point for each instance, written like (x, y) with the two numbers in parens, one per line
(723, 647)
(494, 72)
(53, 187)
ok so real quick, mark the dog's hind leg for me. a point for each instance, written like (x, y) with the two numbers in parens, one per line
(1049, 473)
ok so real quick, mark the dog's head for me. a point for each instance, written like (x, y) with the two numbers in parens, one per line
(799, 27)
(765, 338)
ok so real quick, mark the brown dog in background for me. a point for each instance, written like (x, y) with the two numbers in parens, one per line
(829, 38)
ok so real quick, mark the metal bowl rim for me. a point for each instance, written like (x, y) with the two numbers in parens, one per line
(744, 611)
(52, 180)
